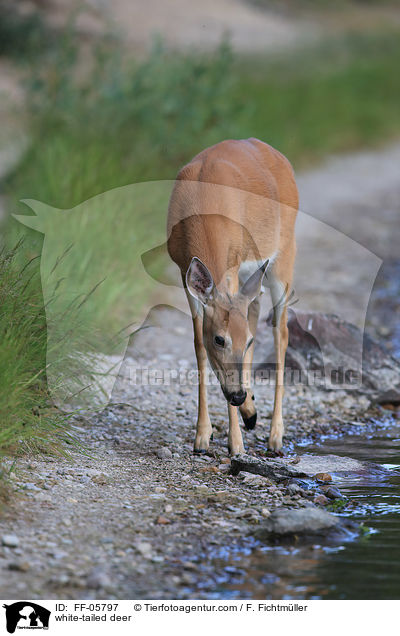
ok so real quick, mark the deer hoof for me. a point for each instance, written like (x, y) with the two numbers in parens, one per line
(250, 422)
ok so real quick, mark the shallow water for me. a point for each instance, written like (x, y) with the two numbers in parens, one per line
(367, 567)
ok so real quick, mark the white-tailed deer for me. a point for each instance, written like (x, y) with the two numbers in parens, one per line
(230, 230)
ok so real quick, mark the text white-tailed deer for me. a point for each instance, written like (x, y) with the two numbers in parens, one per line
(230, 230)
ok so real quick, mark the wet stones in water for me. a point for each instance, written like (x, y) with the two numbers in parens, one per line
(332, 492)
(321, 466)
(304, 522)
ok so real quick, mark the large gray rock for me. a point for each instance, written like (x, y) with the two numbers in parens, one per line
(311, 465)
(305, 524)
(301, 521)
(333, 353)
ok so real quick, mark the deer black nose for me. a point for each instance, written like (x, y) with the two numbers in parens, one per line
(236, 399)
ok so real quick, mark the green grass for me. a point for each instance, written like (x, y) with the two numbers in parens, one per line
(321, 6)
(28, 422)
(341, 96)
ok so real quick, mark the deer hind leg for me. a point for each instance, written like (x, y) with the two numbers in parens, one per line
(248, 409)
(203, 428)
(279, 294)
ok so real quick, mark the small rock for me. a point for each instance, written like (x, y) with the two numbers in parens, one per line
(98, 578)
(61, 580)
(323, 477)
(246, 514)
(19, 566)
(283, 522)
(321, 500)
(224, 468)
(332, 492)
(160, 489)
(294, 489)
(255, 480)
(202, 490)
(168, 508)
(162, 521)
(265, 513)
(164, 453)
(100, 479)
(10, 540)
(31, 486)
(145, 549)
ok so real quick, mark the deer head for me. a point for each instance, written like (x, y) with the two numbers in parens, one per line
(226, 333)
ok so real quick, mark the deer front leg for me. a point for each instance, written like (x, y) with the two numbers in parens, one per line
(235, 440)
(204, 428)
(248, 409)
(280, 332)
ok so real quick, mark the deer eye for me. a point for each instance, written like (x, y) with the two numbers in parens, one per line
(219, 341)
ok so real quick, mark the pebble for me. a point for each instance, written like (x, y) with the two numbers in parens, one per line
(19, 566)
(145, 549)
(332, 492)
(10, 540)
(163, 453)
(324, 477)
(98, 578)
(30, 486)
(321, 500)
(202, 490)
(224, 468)
(162, 521)
(294, 489)
(265, 513)
(100, 479)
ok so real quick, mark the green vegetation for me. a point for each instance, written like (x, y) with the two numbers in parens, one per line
(27, 421)
(323, 6)
(340, 96)
(338, 505)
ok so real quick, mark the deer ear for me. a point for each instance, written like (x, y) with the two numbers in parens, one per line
(252, 287)
(199, 280)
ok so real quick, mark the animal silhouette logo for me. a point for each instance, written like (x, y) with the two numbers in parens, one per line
(104, 266)
(26, 615)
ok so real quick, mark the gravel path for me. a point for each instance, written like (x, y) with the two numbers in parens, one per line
(139, 515)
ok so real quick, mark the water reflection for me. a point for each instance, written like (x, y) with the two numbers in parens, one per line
(367, 568)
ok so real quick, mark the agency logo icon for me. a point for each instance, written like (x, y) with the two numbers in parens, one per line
(105, 269)
(26, 615)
